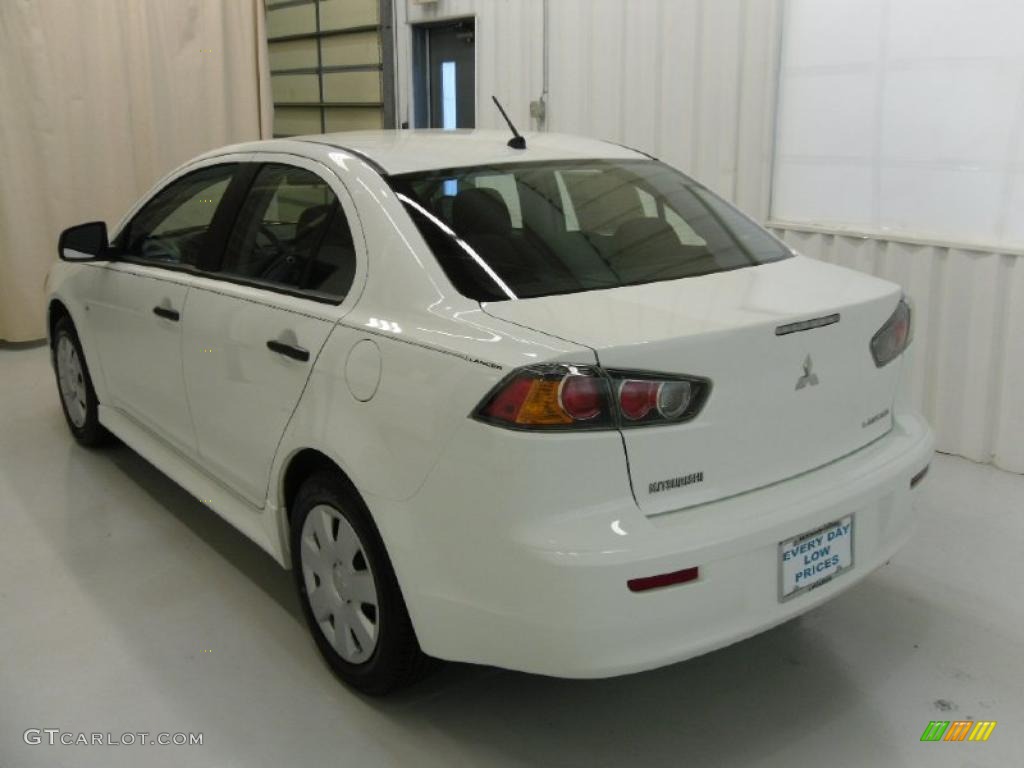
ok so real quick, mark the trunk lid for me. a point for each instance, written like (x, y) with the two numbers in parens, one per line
(757, 427)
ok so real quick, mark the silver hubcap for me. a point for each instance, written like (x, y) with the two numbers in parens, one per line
(71, 380)
(339, 584)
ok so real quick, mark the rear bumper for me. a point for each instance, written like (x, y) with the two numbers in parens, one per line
(547, 594)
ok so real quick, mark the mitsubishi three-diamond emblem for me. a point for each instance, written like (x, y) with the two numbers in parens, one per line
(810, 378)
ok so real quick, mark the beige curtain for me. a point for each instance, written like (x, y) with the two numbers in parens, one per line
(99, 99)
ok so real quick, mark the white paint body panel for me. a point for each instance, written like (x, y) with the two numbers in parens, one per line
(141, 352)
(242, 394)
(536, 578)
(511, 548)
(757, 427)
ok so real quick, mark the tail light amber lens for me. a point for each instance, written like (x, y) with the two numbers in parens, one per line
(563, 396)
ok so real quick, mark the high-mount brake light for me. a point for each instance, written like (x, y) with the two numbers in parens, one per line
(563, 396)
(894, 336)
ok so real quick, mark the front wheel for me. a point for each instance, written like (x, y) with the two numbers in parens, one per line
(348, 590)
(77, 396)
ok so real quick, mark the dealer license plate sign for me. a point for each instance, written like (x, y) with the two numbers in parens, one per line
(815, 558)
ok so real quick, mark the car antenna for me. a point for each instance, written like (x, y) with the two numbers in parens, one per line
(517, 141)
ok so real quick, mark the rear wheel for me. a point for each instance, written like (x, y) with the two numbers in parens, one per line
(77, 396)
(348, 590)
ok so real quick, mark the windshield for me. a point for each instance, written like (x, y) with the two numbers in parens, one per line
(522, 230)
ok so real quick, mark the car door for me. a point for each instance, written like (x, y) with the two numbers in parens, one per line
(253, 331)
(140, 297)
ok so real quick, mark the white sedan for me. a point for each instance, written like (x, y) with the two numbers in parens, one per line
(557, 408)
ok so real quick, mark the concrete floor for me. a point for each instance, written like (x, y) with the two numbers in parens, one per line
(126, 606)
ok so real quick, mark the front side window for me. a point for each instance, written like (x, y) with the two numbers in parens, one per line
(172, 227)
(292, 232)
(537, 229)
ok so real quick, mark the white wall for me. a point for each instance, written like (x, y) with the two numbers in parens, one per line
(900, 152)
(691, 81)
(904, 117)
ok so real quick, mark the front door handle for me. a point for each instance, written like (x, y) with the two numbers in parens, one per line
(288, 350)
(167, 313)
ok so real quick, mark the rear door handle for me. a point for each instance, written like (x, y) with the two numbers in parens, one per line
(167, 313)
(288, 350)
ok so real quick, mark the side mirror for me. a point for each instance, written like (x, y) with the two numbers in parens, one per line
(84, 242)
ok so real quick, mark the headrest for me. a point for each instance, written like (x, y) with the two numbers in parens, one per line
(310, 219)
(603, 201)
(643, 234)
(480, 212)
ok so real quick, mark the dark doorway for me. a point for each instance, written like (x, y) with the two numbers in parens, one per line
(444, 67)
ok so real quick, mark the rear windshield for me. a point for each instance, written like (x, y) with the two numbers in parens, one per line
(536, 229)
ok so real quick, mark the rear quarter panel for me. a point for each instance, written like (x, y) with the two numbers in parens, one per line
(438, 352)
(389, 443)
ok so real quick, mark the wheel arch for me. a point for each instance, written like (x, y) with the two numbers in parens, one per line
(55, 310)
(60, 306)
(301, 465)
(297, 468)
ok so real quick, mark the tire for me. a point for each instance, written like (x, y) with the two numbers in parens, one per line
(74, 386)
(348, 590)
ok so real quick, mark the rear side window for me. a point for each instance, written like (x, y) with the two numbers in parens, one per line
(537, 229)
(292, 232)
(172, 227)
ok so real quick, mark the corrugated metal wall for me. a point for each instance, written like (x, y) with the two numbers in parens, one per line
(691, 81)
(968, 376)
(329, 64)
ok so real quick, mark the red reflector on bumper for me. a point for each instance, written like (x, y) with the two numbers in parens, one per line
(663, 580)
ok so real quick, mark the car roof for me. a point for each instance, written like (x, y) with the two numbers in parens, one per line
(409, 151)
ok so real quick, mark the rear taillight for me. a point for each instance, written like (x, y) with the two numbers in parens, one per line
(563, 396)
(583, 397)
(893, 337)
(654, 400)
(550, 397)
